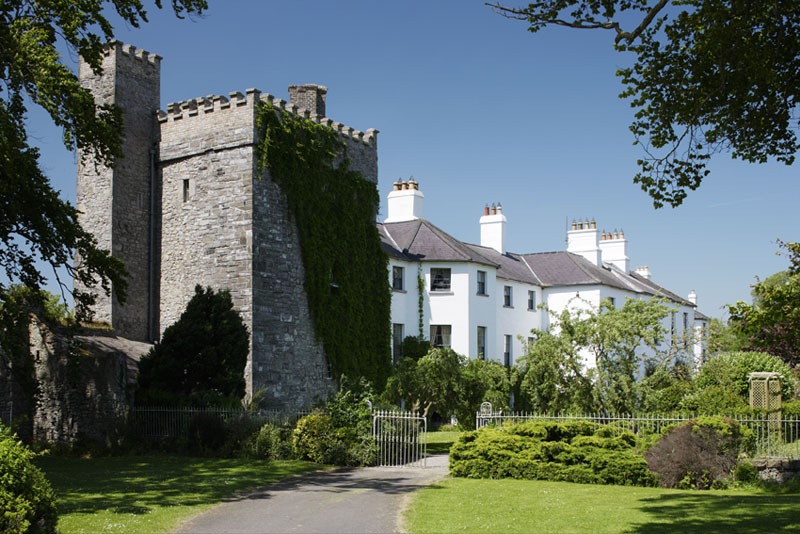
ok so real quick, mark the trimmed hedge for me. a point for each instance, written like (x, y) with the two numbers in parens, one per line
(580, 451)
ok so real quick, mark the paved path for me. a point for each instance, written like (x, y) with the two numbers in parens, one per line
(362, 500)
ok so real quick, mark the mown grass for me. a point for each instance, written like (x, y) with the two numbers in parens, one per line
(440, 442)
(150, 494)
(508, 506)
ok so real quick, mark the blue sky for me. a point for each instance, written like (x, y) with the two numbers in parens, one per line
(479, 110)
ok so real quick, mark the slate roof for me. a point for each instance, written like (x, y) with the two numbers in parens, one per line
(420, 240)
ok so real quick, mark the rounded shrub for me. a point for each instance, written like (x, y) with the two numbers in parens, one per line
(700, 454)
(311, 437)
(27, 501)
(267, 443)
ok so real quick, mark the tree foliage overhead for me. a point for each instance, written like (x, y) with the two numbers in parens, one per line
(708, 77)
(35, 224)
(201, 357)
(772, 322)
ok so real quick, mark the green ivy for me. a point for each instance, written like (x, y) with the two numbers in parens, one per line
(345, 267)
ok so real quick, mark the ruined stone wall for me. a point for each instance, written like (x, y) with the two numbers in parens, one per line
(85, 386)
(116, 203)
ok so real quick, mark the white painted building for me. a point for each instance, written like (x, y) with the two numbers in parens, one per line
(483, 301)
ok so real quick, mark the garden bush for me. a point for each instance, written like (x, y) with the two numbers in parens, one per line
(581, 452)
(343, 434)
(270, 442)
(27, 501)
(206, 433)
(701, 453)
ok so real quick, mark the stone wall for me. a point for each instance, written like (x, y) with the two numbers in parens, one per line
(207, 162)
(288, 363)
(116, 202)
(85, 387)
(776, 470)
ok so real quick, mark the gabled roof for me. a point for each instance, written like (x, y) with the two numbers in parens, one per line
(420, 240)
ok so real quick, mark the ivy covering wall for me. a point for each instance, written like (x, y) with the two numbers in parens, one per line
(345, 267)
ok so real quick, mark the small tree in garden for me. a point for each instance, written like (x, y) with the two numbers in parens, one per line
(200, 359)
(721, 385)
(482, 380)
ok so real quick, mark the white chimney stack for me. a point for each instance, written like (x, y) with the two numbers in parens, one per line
(405, 202)
(614, 249)
(582, 240)
(493, 228)
(643, 271)
(693, 297)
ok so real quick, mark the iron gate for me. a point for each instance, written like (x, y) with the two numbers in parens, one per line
(400, 438)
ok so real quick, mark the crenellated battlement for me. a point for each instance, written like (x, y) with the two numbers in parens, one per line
(193, 107)
(132, 52)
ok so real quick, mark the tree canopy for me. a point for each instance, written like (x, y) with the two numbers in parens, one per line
(772, 322)
(35, 223)
(708, 77)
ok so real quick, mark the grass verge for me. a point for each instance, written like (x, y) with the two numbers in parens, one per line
(150, 493)
(508, 506)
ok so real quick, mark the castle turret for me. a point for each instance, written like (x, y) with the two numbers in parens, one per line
(310, 97)
(116, 203)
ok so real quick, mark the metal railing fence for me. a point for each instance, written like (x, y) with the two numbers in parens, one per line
(774, 436)
(173, 423)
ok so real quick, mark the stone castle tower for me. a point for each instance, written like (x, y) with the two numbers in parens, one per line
(186, 206)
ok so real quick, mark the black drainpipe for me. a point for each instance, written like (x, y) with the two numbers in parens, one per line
(151, 252)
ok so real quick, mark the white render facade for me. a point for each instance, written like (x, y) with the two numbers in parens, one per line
(483, 301)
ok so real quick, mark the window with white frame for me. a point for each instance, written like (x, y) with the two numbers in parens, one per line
(440, 335)
(397, 341)
(531, 300)
(508, 300)
(481, 282)
(507, 350)
(481, 342)
(440, 279)
(398, 275)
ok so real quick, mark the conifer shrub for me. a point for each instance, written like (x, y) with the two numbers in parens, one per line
(580, 451)
(27, 501)
(700, 454)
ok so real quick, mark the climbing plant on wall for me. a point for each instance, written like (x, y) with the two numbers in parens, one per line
(345, 267)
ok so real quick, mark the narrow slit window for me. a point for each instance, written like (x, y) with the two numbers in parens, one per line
(186, 190)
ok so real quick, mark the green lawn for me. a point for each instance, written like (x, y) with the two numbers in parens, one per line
(440, 442)
(150, 494)
(467, 505)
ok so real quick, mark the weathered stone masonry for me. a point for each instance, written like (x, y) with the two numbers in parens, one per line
(215, 221)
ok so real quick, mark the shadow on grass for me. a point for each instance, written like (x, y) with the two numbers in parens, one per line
(136, 485)
(720, 512)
